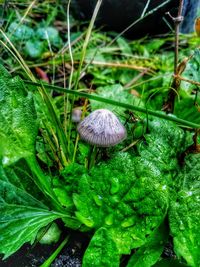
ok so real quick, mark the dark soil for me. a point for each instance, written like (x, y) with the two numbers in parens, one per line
(70, 256)
(34, 256)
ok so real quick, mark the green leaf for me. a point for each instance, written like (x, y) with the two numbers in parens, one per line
(170, 263)
(64, 186)
(117, 93)
(22, 215)
(18, 119)
(50, 236)
(130, 206)
(102, 251)
(34, 48)
(26, 183)
(20, 32)
(49, 34)
(184, 213)
(129, 195)
(187, 110)
(124, 46)
(192, 70)
(148, 254)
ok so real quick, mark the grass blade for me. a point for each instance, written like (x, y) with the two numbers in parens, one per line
(119, 104)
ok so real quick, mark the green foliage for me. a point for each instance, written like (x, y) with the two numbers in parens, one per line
(169, 263)
(18, 119)
(125, 200)
(102, 251)
(50, 235)
(23, 207)
(34, 48)
(117, 93)
(149, 253)
(22, 215)
(187, 109)
(49, 34)
(130, 199)
(20, 33)
(112, 196)
(187, 105)
(34, 40)
(66, 184)
(184, 213)
(192, 70)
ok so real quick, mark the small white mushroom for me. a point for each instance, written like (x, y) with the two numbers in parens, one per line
(102, 129)
(76, 115)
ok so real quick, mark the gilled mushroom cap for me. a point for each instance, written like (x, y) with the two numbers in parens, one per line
(102, 128)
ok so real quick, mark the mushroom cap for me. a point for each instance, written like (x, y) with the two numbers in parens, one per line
(76, 115)
(102, 128)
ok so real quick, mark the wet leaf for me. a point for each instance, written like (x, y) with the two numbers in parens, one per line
(18, 119)
(184, 213)
(102, 251)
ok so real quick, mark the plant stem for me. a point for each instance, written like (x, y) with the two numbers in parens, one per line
(53, 256)
(169, 105)
(187, 80)
(177, 22)
(92, 157)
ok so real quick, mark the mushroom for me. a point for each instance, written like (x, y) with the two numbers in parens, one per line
(76, 115)
(102, 129)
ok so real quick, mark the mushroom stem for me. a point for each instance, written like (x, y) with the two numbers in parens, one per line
(92, 156)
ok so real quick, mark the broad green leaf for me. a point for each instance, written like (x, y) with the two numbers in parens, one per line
(18, 119)
(26, 183)
(102, 251)
(18, 128)
(117, 93)
(184, 213)
(148, 254)
(22, 216)
(130, 206)
(128, 194)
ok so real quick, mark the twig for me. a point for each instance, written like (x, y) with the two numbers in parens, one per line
(121, 65)
(186, 80)
(177, 22)
(169, 105)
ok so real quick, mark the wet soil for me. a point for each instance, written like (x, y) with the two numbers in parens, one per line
(70, 256)
(34, 256)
